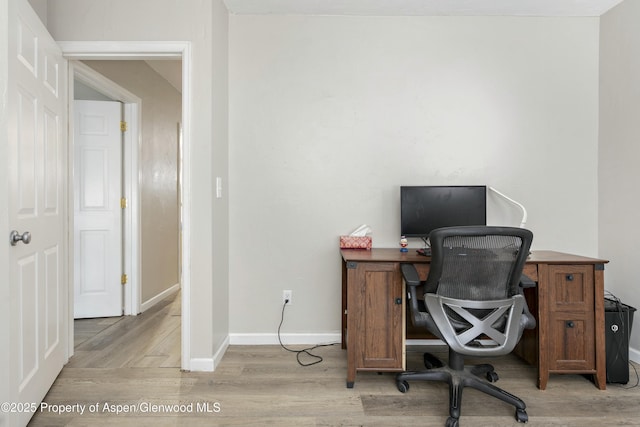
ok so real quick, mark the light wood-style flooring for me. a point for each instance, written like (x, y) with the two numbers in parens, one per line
(149, 340)
(133, 362)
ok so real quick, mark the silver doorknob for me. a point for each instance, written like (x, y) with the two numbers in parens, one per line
(16, 237)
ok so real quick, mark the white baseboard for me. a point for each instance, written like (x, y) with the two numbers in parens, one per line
(434, 341)
(202, 365)
(217, 357)
(209, 365)
(287, 339)
(206, 364)
(162, 295)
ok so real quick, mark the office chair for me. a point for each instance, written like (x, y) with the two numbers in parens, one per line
(472, 301)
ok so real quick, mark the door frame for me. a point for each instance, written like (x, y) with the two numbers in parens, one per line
(130, 168)
(100, 50)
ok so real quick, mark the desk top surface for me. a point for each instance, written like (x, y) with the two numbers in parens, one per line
(394, 255)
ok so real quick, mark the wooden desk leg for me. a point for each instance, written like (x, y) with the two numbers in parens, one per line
(543, 326)
(600, 378)
(543, 378)
(344, 305)
(349, 317)
(351, 370)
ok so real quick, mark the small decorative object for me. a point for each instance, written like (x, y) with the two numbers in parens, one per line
(403, 244)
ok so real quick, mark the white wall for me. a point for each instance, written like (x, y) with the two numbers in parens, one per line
(220, 128)
(192, 21)
(619, 174)
(330, 115)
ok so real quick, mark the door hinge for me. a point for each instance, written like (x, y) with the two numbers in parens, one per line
(123, 279)
(123, 126)
(123, 202)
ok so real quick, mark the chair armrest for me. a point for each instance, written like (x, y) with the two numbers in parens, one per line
(526, 282)
(410, 275)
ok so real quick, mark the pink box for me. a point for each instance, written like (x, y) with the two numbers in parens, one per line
(353, 242)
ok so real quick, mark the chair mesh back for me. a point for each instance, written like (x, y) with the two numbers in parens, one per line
(478, 267)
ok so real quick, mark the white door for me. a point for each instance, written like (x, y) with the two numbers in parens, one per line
(98, 213)
(37, 205)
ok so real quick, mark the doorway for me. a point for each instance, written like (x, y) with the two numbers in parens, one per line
(150, 191)
(89, 84)
(149, 51)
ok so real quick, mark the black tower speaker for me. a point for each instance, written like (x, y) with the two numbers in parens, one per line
(618, 319)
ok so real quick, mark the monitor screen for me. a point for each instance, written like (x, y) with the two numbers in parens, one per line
(425, 208)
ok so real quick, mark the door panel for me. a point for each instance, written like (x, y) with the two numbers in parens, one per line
(37, 151)
(98, 215)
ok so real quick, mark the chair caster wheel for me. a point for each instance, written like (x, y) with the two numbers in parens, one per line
(521, 416)
(431, 362)
(403, 386)
(452, 422)
(492, 376)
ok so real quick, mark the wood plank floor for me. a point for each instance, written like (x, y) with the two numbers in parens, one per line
(133, 362)
(151, 339)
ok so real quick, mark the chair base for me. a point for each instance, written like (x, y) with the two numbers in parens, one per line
(458, 377)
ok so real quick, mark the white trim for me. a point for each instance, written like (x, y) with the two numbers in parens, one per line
(634, 355)
(70, 219)
(156, 299)
(201, 365)
(287, 339)
(128, 50)
(434, 341)
(132, 220)
(165, 49)
(209, 365)
(217, 357)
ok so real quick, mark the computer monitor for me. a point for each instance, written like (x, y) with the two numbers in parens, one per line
(425, 208)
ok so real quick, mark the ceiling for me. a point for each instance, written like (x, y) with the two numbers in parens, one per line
(170, 70)
(423, 7)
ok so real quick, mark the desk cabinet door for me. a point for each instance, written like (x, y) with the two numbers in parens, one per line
(376, 313)
(571, 318)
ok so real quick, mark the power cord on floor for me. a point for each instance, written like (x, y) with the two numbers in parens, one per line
(637, 378)
(307, 351)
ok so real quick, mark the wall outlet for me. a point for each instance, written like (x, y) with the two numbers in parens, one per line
(287, 297)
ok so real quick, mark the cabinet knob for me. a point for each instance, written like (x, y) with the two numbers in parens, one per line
(570, 277)
(398, 301)
(570, 324)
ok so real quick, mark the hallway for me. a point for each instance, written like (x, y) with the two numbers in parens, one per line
(149, 340)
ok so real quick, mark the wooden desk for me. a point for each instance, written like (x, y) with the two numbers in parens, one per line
(568, 303)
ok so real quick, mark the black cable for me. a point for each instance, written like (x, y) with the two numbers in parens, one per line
(306, 351)
(637, 378)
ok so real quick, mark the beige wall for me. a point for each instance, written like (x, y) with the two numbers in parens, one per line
(158, 160)
(618, 172)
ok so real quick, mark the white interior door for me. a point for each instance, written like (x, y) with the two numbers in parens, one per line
(37, 205)
(98, 213)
